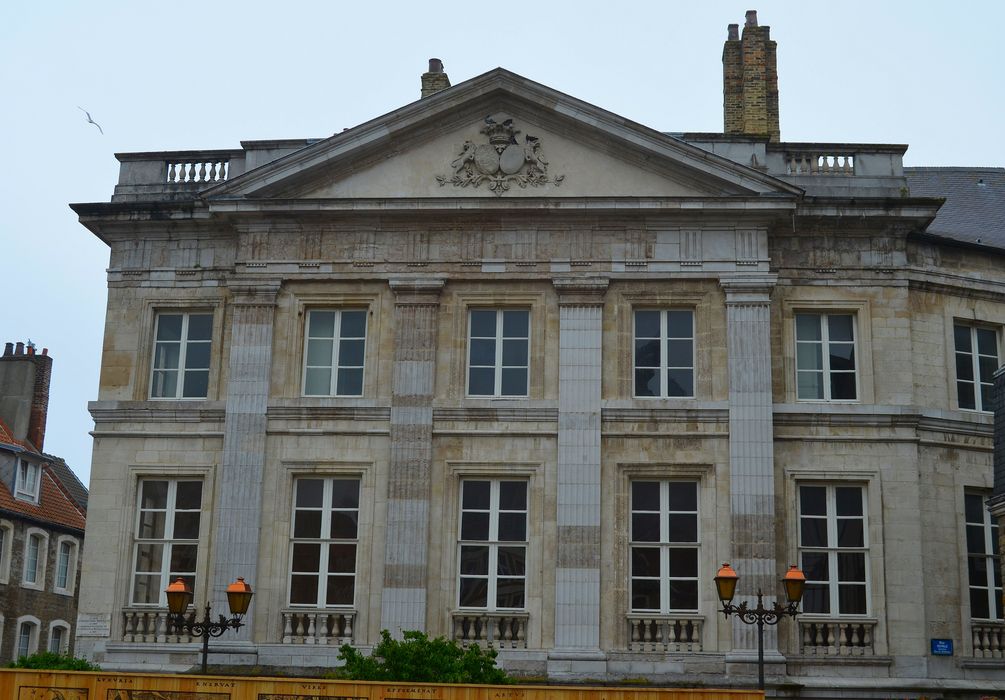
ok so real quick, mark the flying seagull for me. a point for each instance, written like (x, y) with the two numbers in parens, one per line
(91, 121)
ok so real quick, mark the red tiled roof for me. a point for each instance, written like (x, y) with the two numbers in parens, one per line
(7, 438)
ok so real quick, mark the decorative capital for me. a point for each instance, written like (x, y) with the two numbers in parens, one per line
(254, 292)
(412, 292)
(581, 291)
(748, 290)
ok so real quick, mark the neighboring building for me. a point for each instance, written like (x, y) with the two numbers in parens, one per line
(504, 366)
(42, 511)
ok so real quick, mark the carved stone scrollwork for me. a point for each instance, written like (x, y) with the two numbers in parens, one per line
(502, 161)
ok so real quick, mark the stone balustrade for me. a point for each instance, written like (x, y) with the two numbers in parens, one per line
(833, 637)
(664, 633)
(805, 162)
(989, 639)
(197, 172)
(151, 625)
(498, 630)
(318, 626)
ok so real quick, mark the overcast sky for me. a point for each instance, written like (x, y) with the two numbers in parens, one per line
(189, 75)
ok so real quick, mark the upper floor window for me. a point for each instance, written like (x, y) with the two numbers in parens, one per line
(498, 352)
(493, 545)
(181, 356)
(36, 548)
(833, 544)
(664, 546)
(28, 479)
(825, 357)
(66, 564)
(335, 348)
(983, 560)
(664, 352)
(167, 537)
(325, 538)
(976, 363)
(6, 543)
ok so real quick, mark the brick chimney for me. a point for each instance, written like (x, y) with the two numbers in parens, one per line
(750, 81)
(24, 391)
(434, 80)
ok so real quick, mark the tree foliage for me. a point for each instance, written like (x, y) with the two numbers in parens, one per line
(418, 659)
(47, 660)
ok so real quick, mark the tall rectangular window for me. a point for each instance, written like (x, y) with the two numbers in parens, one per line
(27, 635)
(983, 560)
(63, 557)
(56, 637)
(664, 546)
(33, 558)
(664, 352)
(167, 537)
(334, 353)
(825, 357)
(28, 473)
(493, 545)
(324, 542)
(976, 363)
(833, 548)
(498, 352)
(181, 356)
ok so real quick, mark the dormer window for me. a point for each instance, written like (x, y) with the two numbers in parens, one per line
(26, 488)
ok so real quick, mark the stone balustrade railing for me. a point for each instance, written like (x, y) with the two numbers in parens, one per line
(151, 625)
(498, 630)
(836, 637)
(823, 163)
(197, 172)
(989, 639)
(318, 626)
(664, 633)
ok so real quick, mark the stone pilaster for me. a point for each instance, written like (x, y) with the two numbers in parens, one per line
(751, 455)
(997, 501)
(406, 553)
(237, 514)
(577, 575)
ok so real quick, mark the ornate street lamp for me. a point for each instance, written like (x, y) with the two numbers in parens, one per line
(725, 585)
(179, 597)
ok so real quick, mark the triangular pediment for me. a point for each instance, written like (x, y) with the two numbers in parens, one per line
(500, 135)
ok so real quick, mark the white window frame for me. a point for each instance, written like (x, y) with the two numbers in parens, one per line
(334, 365)
(64, 644)
(497, 365)
(992, 562)
(975, 356)
(41, 558)
(493, 543)
(72, 547)
(663, 366)
(183, 344)
(168, 540)
(6, 549)
(824, 343)
(832, 549)
(27, 492)
(326, 509)
(34, 625)
(665, 545)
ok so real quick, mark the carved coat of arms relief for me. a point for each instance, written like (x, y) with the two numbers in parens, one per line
(504, 160)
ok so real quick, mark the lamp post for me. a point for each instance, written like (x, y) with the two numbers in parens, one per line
(725, 585)
(179, 596)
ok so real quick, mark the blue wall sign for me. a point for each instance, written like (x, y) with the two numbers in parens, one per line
(942, 647)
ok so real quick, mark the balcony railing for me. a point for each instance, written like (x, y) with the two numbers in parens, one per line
(820, 637)
(664, 633)
(318, 626)
(151, 625)
(989, 639)
(498, 630)
(819, 163)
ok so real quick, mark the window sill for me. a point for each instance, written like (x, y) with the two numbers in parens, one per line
(33, 586)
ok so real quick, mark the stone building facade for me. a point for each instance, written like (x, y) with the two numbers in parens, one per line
(42, 513)
(506, 367)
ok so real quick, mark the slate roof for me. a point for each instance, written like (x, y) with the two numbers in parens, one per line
(974, 211)
(68, 480)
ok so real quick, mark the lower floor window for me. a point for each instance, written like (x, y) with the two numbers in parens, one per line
(27, 639)
(664, 546)
(493, 544)
(323, 552)
(58, 637)
(833, 544)
(983, 560)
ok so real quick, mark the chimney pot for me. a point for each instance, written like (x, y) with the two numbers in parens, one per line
(435, 65)
(434, 79)
(19, 348)
(733, 32)
(8, 349)
(751, 18)
(45, 351)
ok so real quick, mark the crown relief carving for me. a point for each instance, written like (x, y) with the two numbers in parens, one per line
(501, 162)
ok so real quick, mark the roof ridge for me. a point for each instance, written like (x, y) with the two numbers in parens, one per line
(961, 168)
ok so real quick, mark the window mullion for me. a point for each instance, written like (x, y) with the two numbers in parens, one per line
(179, 390)
(825, 356)
(497, 384)
(336, 334)
(975, 363)
(664, 355)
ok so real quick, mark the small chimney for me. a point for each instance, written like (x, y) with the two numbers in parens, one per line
(750, 81)
(24, 391)
(434, 80)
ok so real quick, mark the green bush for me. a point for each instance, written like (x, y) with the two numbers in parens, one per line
(419, 659)
(47, 660)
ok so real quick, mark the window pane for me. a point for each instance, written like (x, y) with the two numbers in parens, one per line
(197, 356)
(647, 324)
(645, 527)
(977, 571)
(645, 594)
(647, 353)
(169, 327)
(149, 557)
(987, 343)
(516, 323)
(509, 593)
(341, 590)
(307, 523)
(851, 600)
(341, 558)
(354, 324)
(303, 589)
(813, 500)
(850, 533)
(813, 532)
(816, 599)
(645, 495)
(196, 384)
(345, 493)
(974, 506)
(306, 557)
(810, 385)
(310, 492)
(683, 528)
(200, 327)
(647, 382)
(987, 368)
(979, 603)
(186, 526)
(512, 527)
(167, 355)
(146, 589)
(679, 324)
(815, 566)
(680, 382)
(183, 558)
(514, 382)
(808, 327)
(646, 561)
(840, 327)
(165, 385)
(848, 500)
(809, 356)
(321, 324)
(680, 353)
(514, 353)
(476, 495)
(843, 386)
(483, 324)
(964, 367)
(350, 382)
(350, 353)
(842, 356)
(152, 524)
(481, 381)
(344, 525)
(683, 496)
(319, 352)
(474, 560)
(966, 395)
(961, 336)
(512, 561)
(683, 595)
(188, 495)
(474, 526)
(318, 382)
(474, 593)
(851, 566)
(513, 495)
(683, 562)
